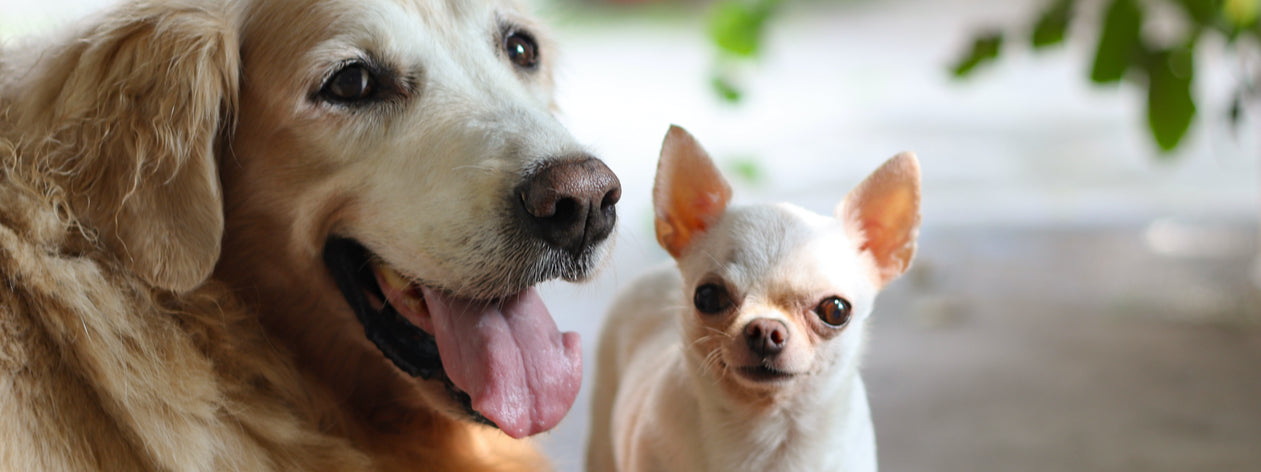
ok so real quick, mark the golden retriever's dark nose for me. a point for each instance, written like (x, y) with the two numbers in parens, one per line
(766, 337)
(570, 203)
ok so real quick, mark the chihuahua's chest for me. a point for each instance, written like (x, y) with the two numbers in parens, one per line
(835, 435)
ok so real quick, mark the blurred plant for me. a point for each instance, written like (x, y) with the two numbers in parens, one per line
(1165, 66)
(747, 169)
(737, 28)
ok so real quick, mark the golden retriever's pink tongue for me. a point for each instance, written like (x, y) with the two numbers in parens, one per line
(520, 372)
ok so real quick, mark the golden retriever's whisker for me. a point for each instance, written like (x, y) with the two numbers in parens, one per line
(484, 168)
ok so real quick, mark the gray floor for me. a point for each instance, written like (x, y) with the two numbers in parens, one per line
(1054, 349)
(1049, 358)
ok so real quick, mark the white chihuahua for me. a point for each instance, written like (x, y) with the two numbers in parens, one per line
(746, 357)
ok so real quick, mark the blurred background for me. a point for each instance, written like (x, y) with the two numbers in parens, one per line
(1084, 295)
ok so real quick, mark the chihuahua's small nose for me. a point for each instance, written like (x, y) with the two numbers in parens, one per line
(569, 203)
(766, 337)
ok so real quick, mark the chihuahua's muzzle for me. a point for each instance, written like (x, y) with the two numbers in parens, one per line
(766, 338)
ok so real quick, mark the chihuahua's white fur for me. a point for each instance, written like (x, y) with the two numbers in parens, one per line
(667, 396)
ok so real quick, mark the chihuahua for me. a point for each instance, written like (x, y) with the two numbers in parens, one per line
(745, 358)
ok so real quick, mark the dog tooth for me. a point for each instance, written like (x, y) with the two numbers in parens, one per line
(412, 302)
(393, 278)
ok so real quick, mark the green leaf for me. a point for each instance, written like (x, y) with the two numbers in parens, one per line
(1241, 13)
(1170, 105)
(725, 89)
(1203, 12)
(1118, 41)
(737, 26)
(747, 168)
(985, 48)
(1053, 24)
(1236, 110)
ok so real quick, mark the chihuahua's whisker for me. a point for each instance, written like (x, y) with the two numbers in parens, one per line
(701, 340)
(718, 332)
(712, 258)
(714, 359)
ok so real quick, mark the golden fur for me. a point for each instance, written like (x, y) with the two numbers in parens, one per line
(131, 153)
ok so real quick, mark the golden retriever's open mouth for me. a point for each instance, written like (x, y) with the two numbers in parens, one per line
(503, 359)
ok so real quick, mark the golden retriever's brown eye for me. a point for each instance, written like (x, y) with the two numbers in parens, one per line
(834, 311)
(352, 83)
(522, 50)
(711, 299)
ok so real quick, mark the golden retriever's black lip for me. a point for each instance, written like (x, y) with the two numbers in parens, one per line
(410, 348)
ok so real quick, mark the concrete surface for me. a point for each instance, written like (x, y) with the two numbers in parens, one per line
(1042, 356)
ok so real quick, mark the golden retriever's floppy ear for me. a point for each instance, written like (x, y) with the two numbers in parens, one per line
(134, 109)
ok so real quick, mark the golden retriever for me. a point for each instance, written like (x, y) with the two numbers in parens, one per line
(288, 235)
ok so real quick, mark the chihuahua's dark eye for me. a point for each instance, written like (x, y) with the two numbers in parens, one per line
(352, 83)
(834, 311)
(521, 49)
(711, 299)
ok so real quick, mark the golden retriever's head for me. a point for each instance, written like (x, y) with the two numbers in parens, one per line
(411, 145)
(425, 120)
(393, 182)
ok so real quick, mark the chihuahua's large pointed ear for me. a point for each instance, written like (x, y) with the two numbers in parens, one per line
(689, 193)
(883, 213)
(134, 111)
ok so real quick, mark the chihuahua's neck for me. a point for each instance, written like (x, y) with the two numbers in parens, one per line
(825, 425)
